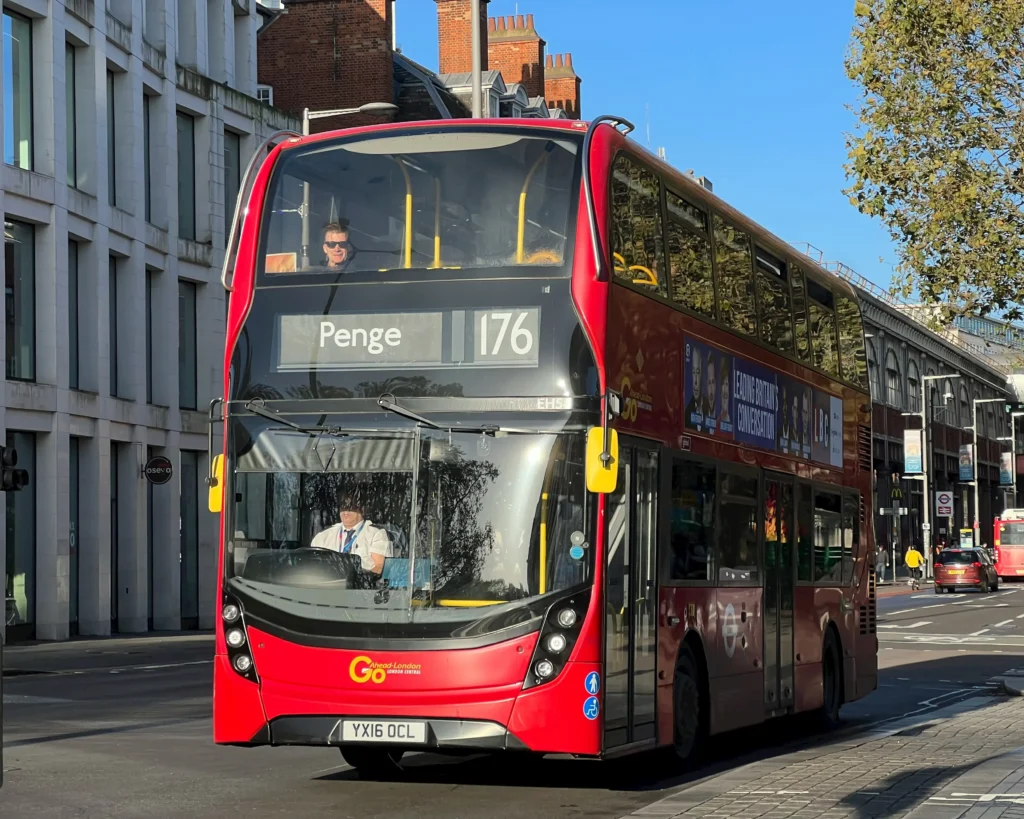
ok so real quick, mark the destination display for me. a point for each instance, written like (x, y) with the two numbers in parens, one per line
(735, 399)
(505, 337)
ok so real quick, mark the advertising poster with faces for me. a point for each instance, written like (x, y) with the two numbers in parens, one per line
(734, 399)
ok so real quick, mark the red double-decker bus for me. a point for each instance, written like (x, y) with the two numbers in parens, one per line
(1008, 542)
(531, 444)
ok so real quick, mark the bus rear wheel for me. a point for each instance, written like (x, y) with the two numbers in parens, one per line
(690, 718)
(378, 763)
(831, 683)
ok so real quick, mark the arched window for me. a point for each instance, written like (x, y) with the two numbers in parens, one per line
(979, 409)
(934, 397)
(947, 400)
(913, 386)
(990, 421)
(965, 407)
(874, 381)
(893, 381)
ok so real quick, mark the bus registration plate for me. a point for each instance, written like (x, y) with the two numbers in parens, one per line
(383, 731)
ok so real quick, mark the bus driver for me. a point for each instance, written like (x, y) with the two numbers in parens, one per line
(355, 535)
(337, 249)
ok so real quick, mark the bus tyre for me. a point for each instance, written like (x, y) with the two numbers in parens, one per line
(377, 763)
(691, 717)
(831, 683)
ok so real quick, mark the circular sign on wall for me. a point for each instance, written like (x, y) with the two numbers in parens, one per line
(159, 469)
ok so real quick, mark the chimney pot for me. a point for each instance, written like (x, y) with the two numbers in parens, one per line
(511, 21)
(558, 61)
(491, 24)
(568, 59)
(519, 21)
(501, 24)
(550, 62)
(529, 21)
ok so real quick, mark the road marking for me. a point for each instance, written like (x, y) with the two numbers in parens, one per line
(1020, 616)
(978, 633)
(918, 624)
(902, 611)
(1004, 623)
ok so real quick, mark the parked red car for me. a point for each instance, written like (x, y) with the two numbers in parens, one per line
(965, 568)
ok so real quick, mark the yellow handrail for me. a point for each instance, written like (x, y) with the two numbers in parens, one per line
(543, 542)
(521, 236)
(437, 223)
(408, 213)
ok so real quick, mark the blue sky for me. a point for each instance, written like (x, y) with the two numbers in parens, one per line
(750, 94)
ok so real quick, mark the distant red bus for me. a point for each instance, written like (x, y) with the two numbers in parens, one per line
(1008, 541)
(531, 444)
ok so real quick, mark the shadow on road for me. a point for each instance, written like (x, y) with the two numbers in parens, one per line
(897, 794)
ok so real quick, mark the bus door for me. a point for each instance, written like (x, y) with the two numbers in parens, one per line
(779, 566)
(631, 597)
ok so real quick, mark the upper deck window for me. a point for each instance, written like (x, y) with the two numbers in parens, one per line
(776, 322)
(823, 328)
(638, 253)
(735, 277)
(689, 252)
(851, 341)
(465, 199)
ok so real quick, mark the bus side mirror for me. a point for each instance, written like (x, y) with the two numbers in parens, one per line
(602, 475)
(216, 482)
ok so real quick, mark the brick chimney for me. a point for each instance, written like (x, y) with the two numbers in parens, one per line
(516, 50)
(455, 35)
(323, 54)
(561, 85)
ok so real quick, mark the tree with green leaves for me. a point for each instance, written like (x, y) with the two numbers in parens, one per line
(939, 152)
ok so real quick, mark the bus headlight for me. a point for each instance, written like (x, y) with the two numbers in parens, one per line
(558, 635)
(243, 662)
(230, 613)
(235, 638)
(567, 618)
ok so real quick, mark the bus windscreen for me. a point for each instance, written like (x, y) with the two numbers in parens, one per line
(1011, 534)
(369, 205)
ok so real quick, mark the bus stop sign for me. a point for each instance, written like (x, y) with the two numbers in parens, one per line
(944, 504)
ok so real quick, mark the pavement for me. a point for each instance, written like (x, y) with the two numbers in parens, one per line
(122, 728)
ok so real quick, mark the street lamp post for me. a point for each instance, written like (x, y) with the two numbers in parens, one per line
(974, 430)
(926, 506)
(307, 117)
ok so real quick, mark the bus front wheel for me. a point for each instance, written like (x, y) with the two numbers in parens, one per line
(379, 763)
(690, 718)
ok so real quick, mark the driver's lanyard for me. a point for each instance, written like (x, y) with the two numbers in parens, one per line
(348, 543)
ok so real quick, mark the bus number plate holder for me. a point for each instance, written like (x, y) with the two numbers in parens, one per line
(391, 731)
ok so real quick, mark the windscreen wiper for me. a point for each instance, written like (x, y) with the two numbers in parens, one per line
(257, 406)
(387, 401)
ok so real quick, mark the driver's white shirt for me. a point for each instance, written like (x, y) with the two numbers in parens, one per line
(369, 539)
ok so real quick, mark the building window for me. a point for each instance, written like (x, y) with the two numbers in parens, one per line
(111, 151)
(965, 405)
(187, 345)
(189, 555)
(948, 399)
(874, 380)
(913, 387)
(146, 159)
(893, 381)
(20, 587)
(20, 284)
(17, 91)
(149, 335)
(73, 537)
(265, 94)
(232, 178)
(112, 325)
(73, 374)
(70, 96)
(186, 177)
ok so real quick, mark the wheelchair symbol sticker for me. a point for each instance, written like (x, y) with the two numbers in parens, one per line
(591, 708)
(593, 682)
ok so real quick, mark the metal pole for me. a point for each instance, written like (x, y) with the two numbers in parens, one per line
(974, 469)
(926, 507)
(305, 201)
(477, 81)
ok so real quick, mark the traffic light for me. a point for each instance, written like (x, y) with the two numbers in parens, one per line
(12, 479)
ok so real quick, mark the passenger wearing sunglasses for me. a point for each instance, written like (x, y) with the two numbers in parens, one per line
(336, 246)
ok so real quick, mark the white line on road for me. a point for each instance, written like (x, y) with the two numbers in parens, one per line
(978, 633)
(1004, 623)
(902, 611)
(918, 624)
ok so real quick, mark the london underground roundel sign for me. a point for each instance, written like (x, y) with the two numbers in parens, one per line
(159, 469)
